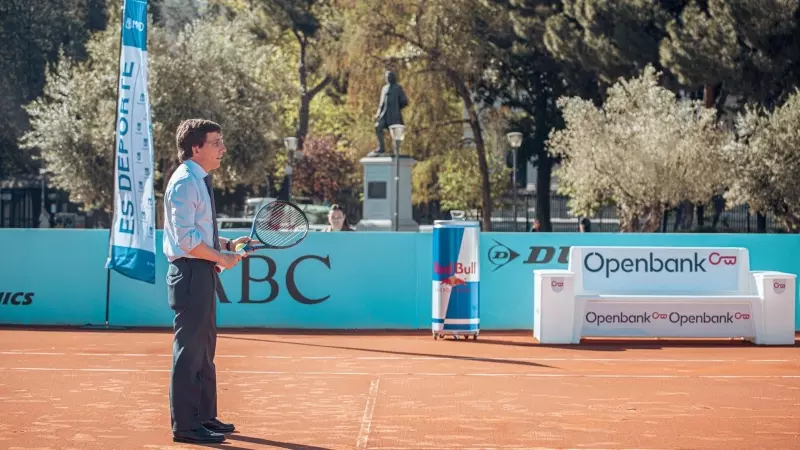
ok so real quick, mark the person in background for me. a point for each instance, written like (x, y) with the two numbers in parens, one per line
(337, 220)
(535, 226)
(585, 225)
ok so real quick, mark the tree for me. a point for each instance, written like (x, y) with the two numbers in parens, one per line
(224, 76)
(324, 172)
(750, 50)
(528, 79)
(453, 178)
(734, 49)
(449, 39)
(702, 48)
(643, 151)
(33, 34)
(314, 26)
(765, 155)
(612, 38)
(459, 182)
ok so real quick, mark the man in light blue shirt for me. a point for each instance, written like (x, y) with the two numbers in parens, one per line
(193, 247)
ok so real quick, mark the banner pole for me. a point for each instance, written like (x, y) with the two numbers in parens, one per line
(106, 322)
(114, 149)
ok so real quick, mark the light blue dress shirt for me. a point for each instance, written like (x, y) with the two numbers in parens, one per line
(187, 212)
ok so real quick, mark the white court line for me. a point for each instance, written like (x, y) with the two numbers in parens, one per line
(420, 358)
(366, 419)
(495, 447)
(31, 353)
(411, 374)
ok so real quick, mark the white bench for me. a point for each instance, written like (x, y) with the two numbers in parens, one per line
(687, 292)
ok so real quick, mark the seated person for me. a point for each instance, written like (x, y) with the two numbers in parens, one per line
(337, 220)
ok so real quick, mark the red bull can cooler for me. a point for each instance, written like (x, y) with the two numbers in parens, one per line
(456, 278)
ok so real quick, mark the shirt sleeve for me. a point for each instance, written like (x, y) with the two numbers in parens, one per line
(182, 208)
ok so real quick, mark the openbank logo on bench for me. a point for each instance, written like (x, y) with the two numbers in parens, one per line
(672, 317)
(654, 262)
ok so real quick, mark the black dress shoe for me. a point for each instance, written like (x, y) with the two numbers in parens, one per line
(216, 426)
(200, 435)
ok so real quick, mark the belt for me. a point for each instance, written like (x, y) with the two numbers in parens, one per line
(193, 260)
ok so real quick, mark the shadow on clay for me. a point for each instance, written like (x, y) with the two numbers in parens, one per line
(394, 352)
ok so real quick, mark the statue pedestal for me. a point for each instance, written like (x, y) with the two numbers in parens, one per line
(379, 194)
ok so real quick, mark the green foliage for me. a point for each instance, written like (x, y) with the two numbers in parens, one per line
(751, 48)
(73, 126)
(272, 68)
(459, 183)
(228, 77)
(33, 33)
(613, 38)
(766, 159)
(642, 151)
(526, 77)
(702, 48)
(309, 30)
(210, 70)
(455, 50)
(453, 177)
(330, 116)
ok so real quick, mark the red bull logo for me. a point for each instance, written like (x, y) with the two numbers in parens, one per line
(455, 269)
(453, 281)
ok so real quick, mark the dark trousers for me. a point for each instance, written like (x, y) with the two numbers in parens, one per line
(380, 126)
(191, 286)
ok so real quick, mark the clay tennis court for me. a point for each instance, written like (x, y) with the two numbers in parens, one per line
(109, 390)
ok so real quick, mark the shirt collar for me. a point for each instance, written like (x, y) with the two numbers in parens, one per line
(195, 169)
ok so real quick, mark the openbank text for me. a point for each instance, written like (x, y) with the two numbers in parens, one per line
(674, 317)
(595, 262)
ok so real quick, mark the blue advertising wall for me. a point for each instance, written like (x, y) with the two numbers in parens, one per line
(330, 281)
(62, 271)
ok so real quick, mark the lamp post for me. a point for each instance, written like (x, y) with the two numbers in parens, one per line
(44, 218)
(290, 143)
(398, 134)
(515, 139)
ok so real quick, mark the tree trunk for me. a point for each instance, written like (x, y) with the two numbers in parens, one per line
(708, 96)
(544, 170)
(302, 114)
(653, 222)
(761, 223)
(483, 166)
(628, 224)
(306, 94)
(708, 100)
(687, 215)
(544, 163)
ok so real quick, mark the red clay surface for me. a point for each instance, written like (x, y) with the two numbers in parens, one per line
(109, 390)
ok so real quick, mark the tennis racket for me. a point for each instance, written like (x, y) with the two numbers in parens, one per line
(277, 225)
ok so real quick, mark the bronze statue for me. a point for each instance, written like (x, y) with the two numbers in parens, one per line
(393, 99)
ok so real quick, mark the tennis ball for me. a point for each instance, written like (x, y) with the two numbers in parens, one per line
(240, 246)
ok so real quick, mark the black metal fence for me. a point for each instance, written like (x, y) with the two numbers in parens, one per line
(737, 219)
(21, 203)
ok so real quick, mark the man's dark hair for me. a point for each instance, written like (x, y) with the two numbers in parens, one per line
(192, 133)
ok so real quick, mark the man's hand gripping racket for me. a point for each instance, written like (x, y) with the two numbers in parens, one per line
(277, 225)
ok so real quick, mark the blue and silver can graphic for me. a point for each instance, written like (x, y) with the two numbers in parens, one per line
(456, 278)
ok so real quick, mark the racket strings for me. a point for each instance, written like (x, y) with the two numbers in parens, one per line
(281, 225)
